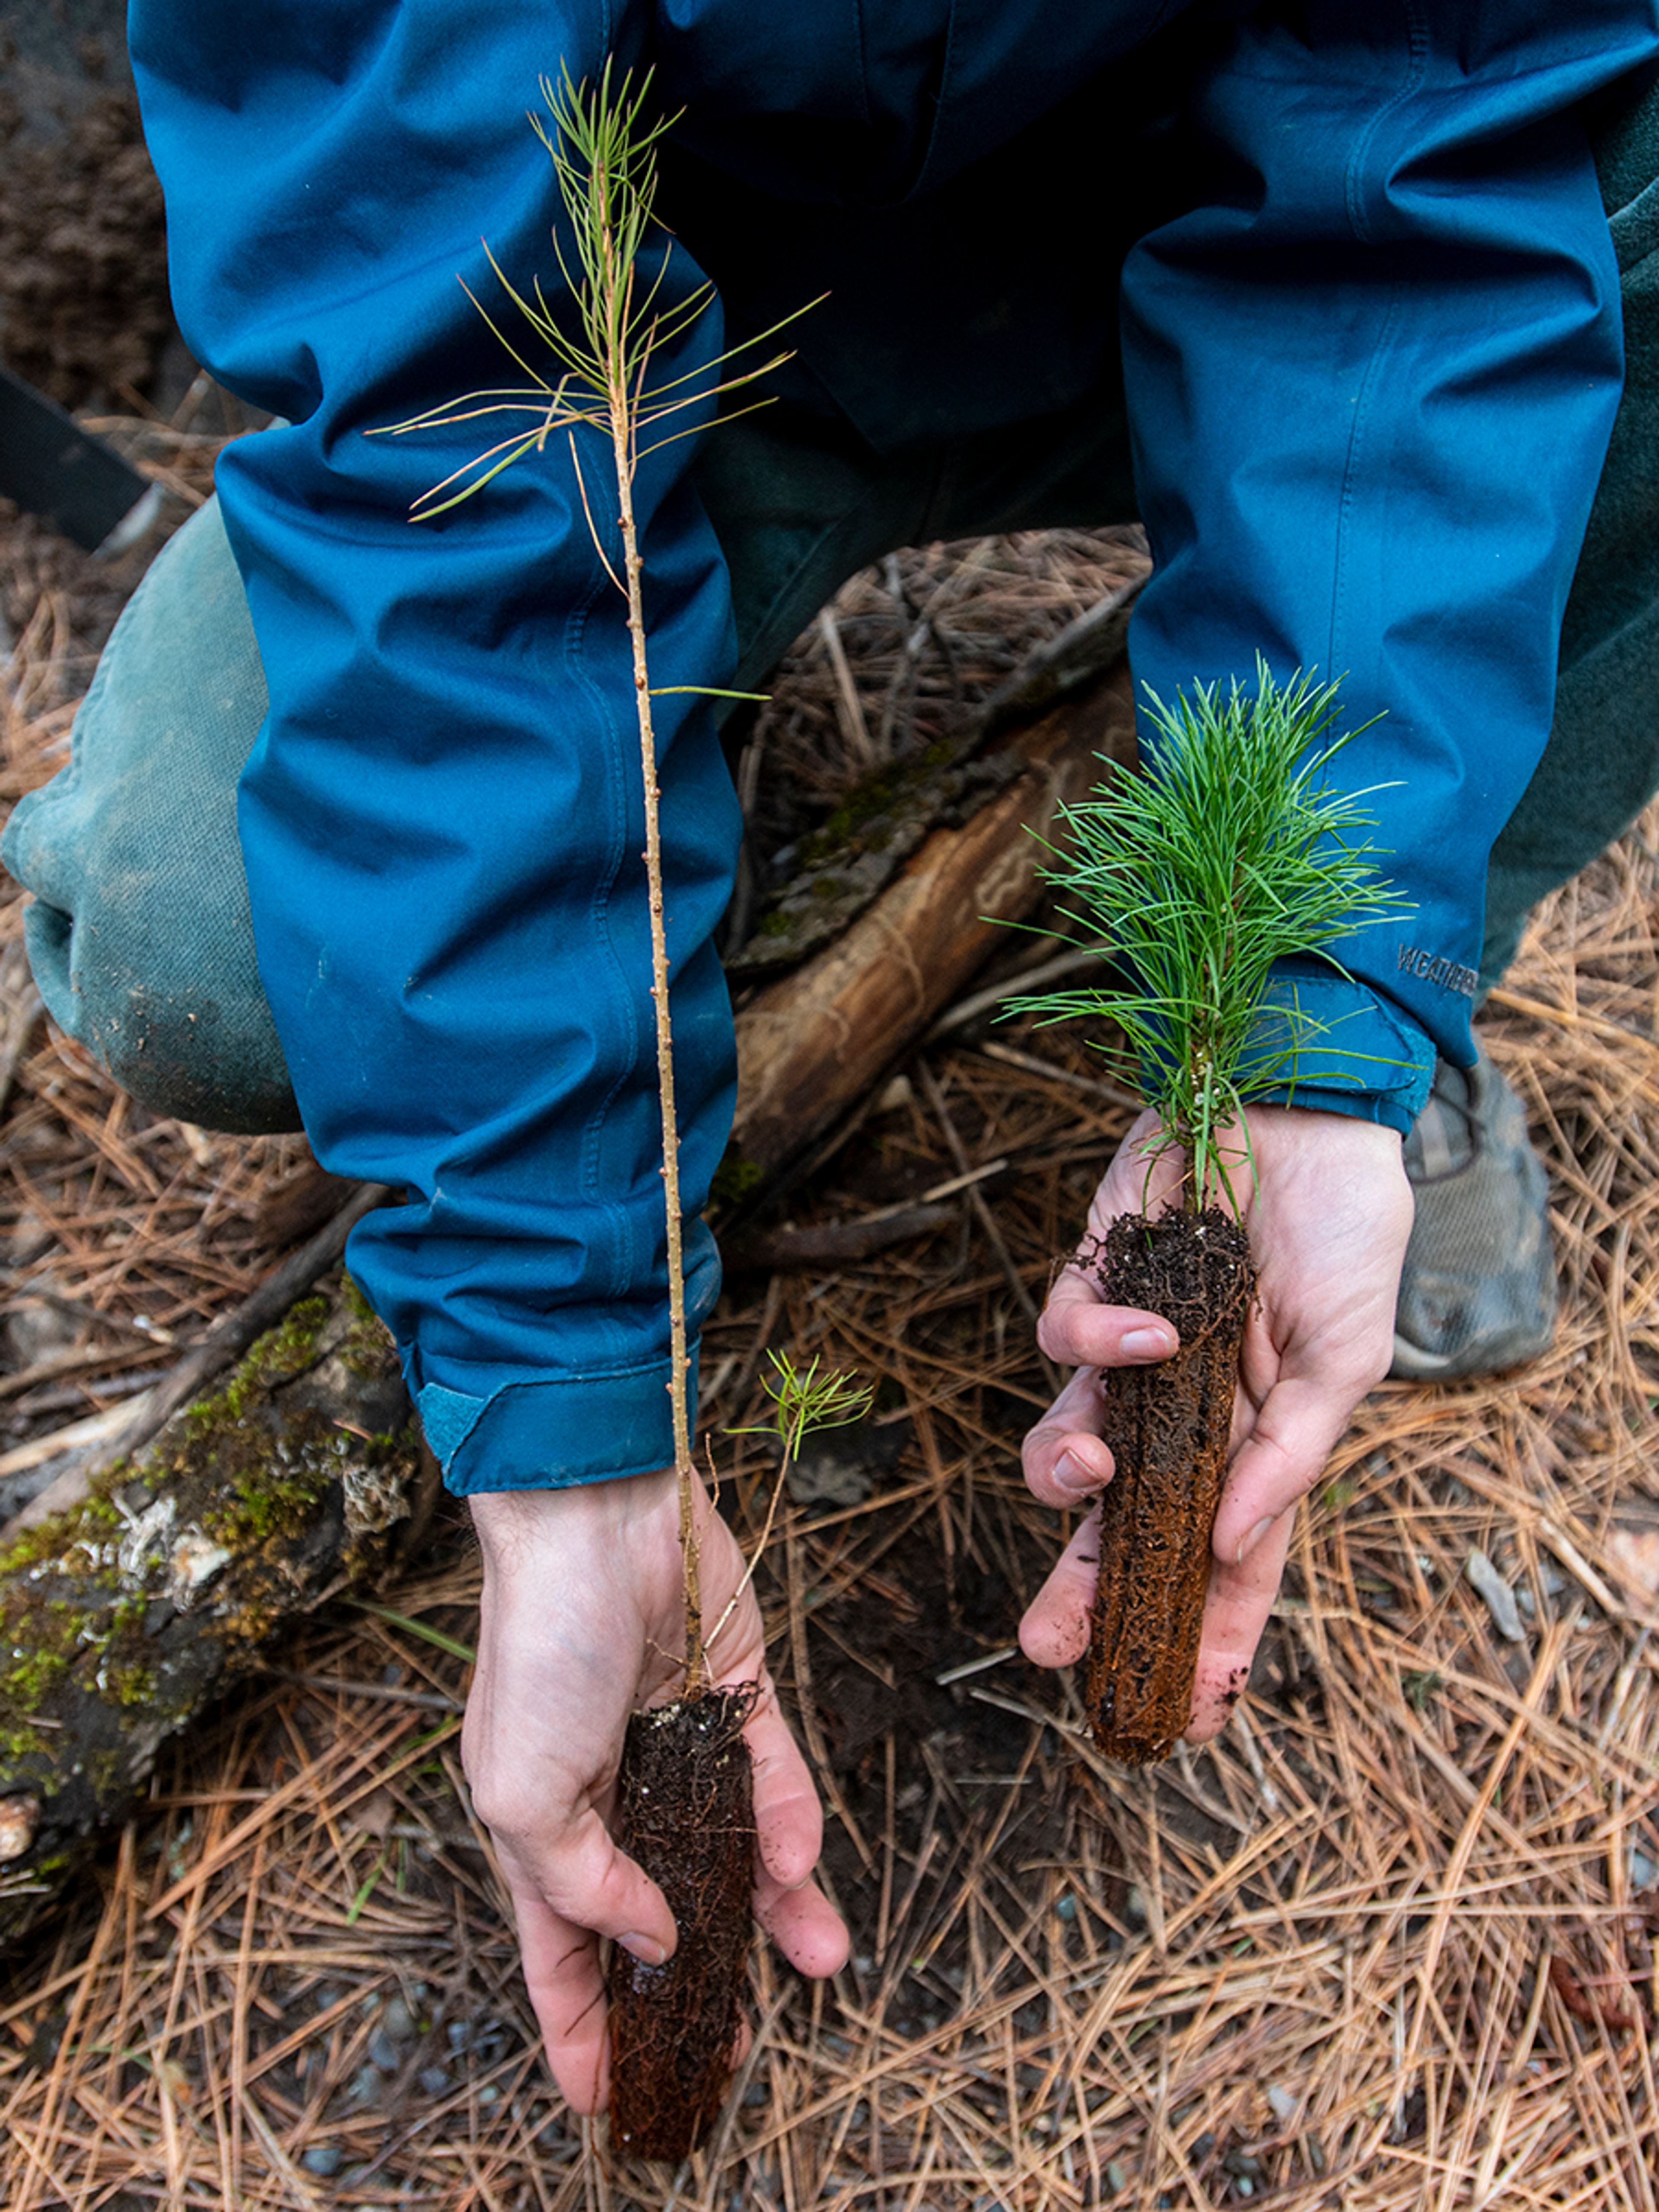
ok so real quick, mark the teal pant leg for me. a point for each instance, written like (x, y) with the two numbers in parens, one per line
(1601, 764)
(140, 934)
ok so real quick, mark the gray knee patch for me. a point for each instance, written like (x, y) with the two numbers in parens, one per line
(140, 935)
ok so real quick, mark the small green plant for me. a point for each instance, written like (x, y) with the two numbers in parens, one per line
(803, 1400)
(1229, 852)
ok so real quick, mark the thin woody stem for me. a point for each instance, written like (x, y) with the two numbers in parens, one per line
(606, 180)
(679, 1363)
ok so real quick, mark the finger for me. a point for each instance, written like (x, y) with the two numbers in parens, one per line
(804, 1924)
(788, 1819)
(1236, 1610)
(567, 1992)
(1065, 1467)
(581, 1876)
(1065, 1460)
(1056, 1630)
(1076, 1329)
(1294, 1434)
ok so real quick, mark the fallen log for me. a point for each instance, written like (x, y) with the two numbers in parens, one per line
(127, 1611)
(812, 1044)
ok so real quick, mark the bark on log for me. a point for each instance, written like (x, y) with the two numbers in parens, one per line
(812, 1044)
(123, 1615)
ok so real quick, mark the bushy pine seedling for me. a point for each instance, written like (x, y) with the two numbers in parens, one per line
(1228, 851)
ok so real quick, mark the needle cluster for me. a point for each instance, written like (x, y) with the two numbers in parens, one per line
(597, 341)
(1230, 850)
(807, 1399)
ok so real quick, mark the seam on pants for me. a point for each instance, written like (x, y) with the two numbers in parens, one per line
(1353, 200)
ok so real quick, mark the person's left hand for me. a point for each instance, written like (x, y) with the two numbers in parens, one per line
(1329, 1214)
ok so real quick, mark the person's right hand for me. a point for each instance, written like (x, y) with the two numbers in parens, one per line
(581, 1619)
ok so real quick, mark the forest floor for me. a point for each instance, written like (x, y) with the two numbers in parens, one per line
(1390, 1943)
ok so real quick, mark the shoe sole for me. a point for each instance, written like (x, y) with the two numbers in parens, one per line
(1411, 1363)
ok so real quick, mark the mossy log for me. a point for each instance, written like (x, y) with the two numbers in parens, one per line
(125, 1612)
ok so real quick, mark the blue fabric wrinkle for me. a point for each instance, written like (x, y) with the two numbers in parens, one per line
(1372, 359)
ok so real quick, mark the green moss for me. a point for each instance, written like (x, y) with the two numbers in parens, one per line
(368, 1351)
(22, 1745)
(47, 1637)
(133, 1684)
(876, 796)
(245, 1477)
(29, 1674)
(89, 1524)
(270, 1487)
(735, 1179)
(277, 1356)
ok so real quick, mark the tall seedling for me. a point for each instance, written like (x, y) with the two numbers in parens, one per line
(685, 1785)
(1229, 852)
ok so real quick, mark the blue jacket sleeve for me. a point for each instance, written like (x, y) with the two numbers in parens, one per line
(442, 820)
(1372, 377)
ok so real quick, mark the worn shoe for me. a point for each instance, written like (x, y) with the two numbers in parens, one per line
(1478, 1292)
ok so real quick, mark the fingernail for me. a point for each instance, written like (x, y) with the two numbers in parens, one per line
(1147, 1344)
(1072, 1477)
(645, 1949)
(1253, 1540)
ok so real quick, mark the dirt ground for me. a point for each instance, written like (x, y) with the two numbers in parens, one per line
(1389, 1943)
(84, 299)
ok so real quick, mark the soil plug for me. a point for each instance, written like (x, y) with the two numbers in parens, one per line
(686, 1801)
(685, 1785)
(1226, 852)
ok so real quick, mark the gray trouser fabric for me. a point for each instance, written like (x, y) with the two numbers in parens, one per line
(140, 932)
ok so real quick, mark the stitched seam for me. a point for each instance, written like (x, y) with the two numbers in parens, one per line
(947, 65)
(860, 34)
(587, 1375)
(1417, 64)
(1354, 197)
(1349, 497)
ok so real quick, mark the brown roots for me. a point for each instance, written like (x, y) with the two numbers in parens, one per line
(688, 1817)
(1167, 1427)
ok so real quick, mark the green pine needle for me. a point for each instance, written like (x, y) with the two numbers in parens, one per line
(803, 1400)
(597, 346)
(1228, 852)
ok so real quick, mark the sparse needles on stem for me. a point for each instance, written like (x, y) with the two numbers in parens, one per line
(802, 1400)
(602, 340)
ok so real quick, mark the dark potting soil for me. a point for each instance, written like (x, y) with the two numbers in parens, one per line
(1167, 1427)
(686, 1799)
(84, 312)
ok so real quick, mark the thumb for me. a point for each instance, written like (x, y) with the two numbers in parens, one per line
(579, 1871)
